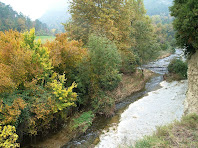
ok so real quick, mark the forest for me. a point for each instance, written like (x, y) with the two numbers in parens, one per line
(10, 19)
(43, 84)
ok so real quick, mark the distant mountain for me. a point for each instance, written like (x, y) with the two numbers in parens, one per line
(10, 19)
(56, 15)
(157, 7)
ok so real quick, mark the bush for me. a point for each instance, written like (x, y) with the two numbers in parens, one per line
(8, 137)
(130, 62)
(105, 61)
(103, 104)
(83, 121)
(99, 70)
(178, 67)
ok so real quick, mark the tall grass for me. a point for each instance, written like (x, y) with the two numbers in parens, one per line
(181, 134)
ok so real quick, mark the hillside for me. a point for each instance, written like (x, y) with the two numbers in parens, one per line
(159, 7)
(10, 19)
(56, 15)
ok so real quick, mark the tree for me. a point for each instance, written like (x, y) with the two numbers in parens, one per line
(10, 19)
(186, 24)
(100, 71)
(146, 46)
(66, 55)
(105, 61)
(112, 18)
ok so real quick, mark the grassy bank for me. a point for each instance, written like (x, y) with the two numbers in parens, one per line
(183, 134)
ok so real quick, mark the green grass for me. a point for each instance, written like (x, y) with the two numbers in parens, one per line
(182, 134)
(45, 38)
(83, 121)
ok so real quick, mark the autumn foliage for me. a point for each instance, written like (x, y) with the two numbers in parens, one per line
(33, 90)
(41, 84)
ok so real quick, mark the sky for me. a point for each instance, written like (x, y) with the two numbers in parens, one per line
(32, 8)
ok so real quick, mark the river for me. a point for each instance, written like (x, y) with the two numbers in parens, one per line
(139, 115)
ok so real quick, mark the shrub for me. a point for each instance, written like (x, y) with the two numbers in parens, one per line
(103, 104)
(8, 137)
(105, 61)
(130, 62)
(83, 121)
(32, 96)
(66, 55)
(178, 67)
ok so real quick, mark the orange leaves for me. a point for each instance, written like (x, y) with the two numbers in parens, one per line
(6, 83)
(14, 59)
(25, 72)
(65, 54)
(11, 113)
(42, 109)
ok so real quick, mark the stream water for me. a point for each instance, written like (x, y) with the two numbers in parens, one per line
(138, 115)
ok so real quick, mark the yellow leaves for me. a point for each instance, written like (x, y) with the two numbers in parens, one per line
(24, 64)
(64, 96)
(29, 38)
(8, 137)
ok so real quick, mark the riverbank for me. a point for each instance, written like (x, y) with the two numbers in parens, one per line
(129, 85)
(164, 54)
(158, 108)
(179, 134)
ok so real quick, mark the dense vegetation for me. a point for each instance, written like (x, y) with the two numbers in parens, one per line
(178, 134)
(178, 69)
(10, 19)
(185, 24)
(42, 84)
(165, 32)
(183, 133)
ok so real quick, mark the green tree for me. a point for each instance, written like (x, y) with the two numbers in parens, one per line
(100, 69)
(105, 62)
(112, 18)
(146, 46)
(99, 73)
(10, 19)
(186, 24)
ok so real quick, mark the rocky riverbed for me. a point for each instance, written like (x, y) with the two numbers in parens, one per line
(141, 118)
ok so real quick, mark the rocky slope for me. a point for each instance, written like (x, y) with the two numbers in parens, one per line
(191, 102)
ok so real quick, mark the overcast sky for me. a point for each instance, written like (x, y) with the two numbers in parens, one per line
(32, 8)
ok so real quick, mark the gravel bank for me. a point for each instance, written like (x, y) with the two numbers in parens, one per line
(158, 108)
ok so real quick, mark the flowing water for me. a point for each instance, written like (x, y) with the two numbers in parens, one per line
(160, 103)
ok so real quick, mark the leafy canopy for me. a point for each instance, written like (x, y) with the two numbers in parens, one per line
(186, 24)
